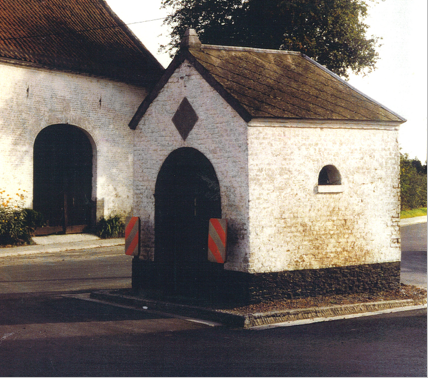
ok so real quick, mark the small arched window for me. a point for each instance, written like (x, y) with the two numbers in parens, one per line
(329, 175)
(329, 180)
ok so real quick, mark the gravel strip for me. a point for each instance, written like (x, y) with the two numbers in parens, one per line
(404, 292)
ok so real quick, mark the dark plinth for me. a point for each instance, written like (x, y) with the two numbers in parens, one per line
(246, 288)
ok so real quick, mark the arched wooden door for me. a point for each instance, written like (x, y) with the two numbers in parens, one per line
(63, 179)
(187, 195)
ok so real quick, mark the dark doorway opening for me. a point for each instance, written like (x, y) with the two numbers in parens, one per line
(63, 179)
(187, 195)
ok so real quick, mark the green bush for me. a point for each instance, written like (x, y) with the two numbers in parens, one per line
(17, 224)
(413, 184)
(112, 227)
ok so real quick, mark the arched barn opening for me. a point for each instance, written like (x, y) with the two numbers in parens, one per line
(187, 195)
(63, 161)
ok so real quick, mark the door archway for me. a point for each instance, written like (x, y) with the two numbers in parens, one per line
(63, 161)
(187, 195)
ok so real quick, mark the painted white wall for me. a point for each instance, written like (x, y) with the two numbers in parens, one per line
(32, 99)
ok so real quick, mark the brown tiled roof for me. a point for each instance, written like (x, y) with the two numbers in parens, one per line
(275, 84)
(83, 36)
(281, 84)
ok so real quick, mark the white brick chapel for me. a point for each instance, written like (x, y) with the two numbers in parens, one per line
(304, 168)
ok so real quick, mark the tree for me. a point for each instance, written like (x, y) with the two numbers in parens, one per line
(332, 32)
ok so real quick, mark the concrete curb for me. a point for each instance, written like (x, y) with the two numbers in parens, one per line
(413, 220)
(256, 320)
(54, 248)
(225, 318)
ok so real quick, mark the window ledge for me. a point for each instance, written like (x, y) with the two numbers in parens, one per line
(330, 189)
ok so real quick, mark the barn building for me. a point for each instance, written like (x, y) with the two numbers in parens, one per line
(72, 77)
(303, 167)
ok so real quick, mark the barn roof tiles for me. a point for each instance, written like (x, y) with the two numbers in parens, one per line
(275, 84)
(83, 36)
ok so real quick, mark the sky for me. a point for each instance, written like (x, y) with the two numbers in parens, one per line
(399, 82)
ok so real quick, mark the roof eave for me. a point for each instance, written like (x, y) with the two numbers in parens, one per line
(73, 70)
(328, 123)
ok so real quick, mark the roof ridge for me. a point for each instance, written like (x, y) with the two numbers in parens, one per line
(249, 49)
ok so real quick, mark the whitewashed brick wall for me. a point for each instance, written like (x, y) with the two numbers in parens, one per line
(292, 227)
(220, 134)
(32, 99)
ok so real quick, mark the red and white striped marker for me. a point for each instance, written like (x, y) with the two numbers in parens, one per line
(217, 240)
(132, 236)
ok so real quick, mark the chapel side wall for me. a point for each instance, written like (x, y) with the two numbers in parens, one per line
(32, 99)
(220, 134)
(295, 228)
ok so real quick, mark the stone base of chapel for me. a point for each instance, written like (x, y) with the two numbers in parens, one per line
(216, 284)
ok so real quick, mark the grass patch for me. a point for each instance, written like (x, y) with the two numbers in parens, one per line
(414, 213)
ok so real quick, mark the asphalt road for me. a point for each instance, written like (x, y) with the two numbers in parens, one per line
(57, 336)
(68, 271)
(414, 254)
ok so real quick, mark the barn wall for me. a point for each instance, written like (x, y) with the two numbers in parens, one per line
(32, 99)
(220, 134)
(295, 228)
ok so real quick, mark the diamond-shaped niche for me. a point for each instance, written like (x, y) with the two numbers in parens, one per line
(185, 118)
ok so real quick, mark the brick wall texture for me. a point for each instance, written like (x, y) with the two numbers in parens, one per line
(268, 174)
(32, 99)
(292, 226)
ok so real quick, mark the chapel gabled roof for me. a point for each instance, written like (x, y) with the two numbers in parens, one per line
(274, 84)
(82, 36)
